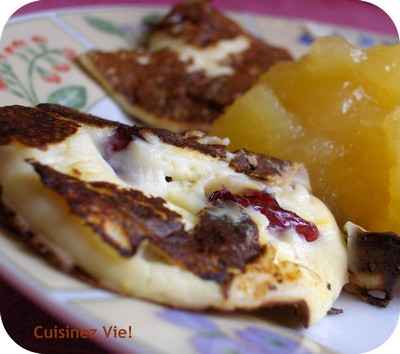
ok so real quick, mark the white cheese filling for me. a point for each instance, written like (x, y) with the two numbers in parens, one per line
(183, 177)
(212, 59)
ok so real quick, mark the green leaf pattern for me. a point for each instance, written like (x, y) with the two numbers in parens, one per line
(74, 96)
(105, 26)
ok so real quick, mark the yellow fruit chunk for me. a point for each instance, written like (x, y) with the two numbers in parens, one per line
(338, 111)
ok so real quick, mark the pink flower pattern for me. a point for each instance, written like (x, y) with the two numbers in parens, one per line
(48, 64)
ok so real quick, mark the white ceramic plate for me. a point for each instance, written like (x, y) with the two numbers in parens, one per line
(36, 53)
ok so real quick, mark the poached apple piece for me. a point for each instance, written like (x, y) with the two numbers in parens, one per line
(337, 109)
(172, 218)
(195, 63)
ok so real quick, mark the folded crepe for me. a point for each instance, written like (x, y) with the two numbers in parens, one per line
(194, 64)
(172, 218)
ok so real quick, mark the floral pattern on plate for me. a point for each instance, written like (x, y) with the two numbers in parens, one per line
(48, 63)
(208, 338)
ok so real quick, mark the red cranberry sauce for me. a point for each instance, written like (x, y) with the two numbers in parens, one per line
(119, 140)
(279, 219)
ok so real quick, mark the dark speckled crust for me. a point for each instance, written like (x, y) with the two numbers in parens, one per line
(166, 88)
(254, 165)
(32, 127)
(288, 313)
(375, 255)
(189, 140)
(50, 124)
(159, 83)
(297, 311)
(104, 206)
(257, 165)
(186, 140)
(77, 116)
(198, 23)
(211, 250)
(215, 247)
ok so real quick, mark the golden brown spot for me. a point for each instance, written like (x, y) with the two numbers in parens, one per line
(76, 172)
(262, 289)
(281, 272)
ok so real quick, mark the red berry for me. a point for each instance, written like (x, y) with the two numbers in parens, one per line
(52, 79)
(17, 43)
(9, 50)
(62, 67)
(39, 39)
(3, 85)
(279, 218)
